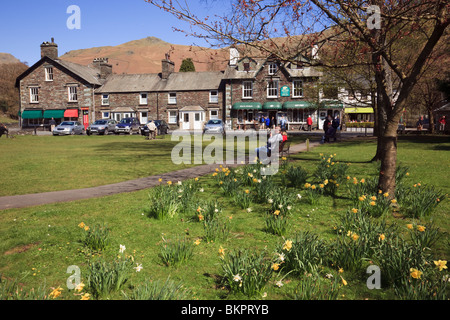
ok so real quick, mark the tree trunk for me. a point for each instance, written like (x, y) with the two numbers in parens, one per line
(431, 119)
(388, 145)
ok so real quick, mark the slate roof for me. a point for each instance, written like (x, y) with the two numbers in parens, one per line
(152, 82)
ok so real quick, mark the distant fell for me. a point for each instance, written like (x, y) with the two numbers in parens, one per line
(145, 55)
(6, 58)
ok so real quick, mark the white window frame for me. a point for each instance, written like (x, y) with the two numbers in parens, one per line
(216, 116)
(214, 98)
(105, 115)
(273, 68)
(247, 92)
(172, 98)
(72, 92)
(172, 116)
(142, 100)
(272, 91)
(48, 73)
(34, 94)
(294, 95)
(105, 99)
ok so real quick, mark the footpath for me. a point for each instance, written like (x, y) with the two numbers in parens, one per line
(28, 200)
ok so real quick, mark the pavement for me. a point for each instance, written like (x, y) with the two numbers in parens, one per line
(29, 200)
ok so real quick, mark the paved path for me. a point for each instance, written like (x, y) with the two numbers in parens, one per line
(28, 200)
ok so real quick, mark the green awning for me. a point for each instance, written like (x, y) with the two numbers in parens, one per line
(32, 114)
(297, 105)
(359, 110)
(57, 114)
(272, 106)
(246, 106)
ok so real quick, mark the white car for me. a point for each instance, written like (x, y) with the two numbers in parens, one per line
(68, 127)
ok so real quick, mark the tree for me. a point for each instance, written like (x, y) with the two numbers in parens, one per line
(187, 65)
(375, 27)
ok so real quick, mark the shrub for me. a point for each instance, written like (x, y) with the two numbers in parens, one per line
(420, 201)
(164, 203)
(245, 272)
(96, 238)
(276, 223)
(303, 254)
(176, 252)
(159, 290)
(105, 277)
(296, 176)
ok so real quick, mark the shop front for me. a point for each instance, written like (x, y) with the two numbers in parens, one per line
(246, 115)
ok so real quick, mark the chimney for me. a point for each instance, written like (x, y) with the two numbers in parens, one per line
(49, 49)
(103, 66)
(167, 67)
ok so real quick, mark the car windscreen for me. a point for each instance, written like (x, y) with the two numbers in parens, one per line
(100, 122)
(125, 121)
(214, 122)
(67, 123)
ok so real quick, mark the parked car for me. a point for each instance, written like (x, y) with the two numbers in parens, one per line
(128, 126)
(68, 127)
(214, 126)
(103, 126)
(161, 125)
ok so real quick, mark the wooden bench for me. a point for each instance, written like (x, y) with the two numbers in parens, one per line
(284, 148)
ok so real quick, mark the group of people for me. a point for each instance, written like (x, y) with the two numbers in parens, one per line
(267, 122)
(330, 127)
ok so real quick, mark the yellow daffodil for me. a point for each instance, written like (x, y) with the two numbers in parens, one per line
(85, 296)
(441, 264)
(394, 201)
(381, 237)
(409, 226)
(201, 217)
(341, 270)
(160, 180)
(363, 180)
(313, 187)
(277, 212)
(275, 266)
(421, 228)
(343, 281)
(197, 242)
(354, 210)
(372, 203)
(81, 225)
(86, 228)
(416, 274)
(355, 236)
(287, 245)
(386, 194)
(373, 198)
(56, 293)
(169, 182)
(79, 287)
(321, 185)
(221, 252)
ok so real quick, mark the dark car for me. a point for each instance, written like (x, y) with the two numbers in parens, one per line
(161, 125)
(128, 126)
(103, 126)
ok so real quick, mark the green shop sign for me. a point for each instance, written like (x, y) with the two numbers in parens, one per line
(285, 91)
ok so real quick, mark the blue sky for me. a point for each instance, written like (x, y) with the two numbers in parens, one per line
(25, 24)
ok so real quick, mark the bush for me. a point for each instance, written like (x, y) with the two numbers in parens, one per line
(176, 252)
(420, 201)
(245, 272)
(95, 238)
(159, 290)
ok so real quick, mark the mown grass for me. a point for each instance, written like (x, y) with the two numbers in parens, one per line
(38, 244)
(34, 164)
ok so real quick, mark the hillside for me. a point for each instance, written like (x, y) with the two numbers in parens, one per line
(7, 58)
(145, 55)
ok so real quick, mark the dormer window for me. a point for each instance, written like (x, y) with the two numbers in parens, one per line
(246, 66)
(273, 68)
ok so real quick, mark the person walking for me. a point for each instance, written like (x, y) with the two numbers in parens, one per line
(52, 124)
(442, 123)
(152, 130)
(309, 123)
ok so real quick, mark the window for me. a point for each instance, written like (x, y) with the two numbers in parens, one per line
(273, 68)
(272, 89)
(246, 66)
(48, 74)
(73, 96)
(105, 99)
(105, 115)
(247, 89)
(214, 96)
(172, 98)
(143, 98)
(297, 88)
(214, 114)
(34, 95)
(172, 117)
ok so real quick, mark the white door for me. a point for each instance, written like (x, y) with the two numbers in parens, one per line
(322, 117)
(198, 120)
(144, 117)
(185, 118)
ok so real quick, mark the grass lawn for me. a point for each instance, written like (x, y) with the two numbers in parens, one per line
(38, 244)
(34, 164)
